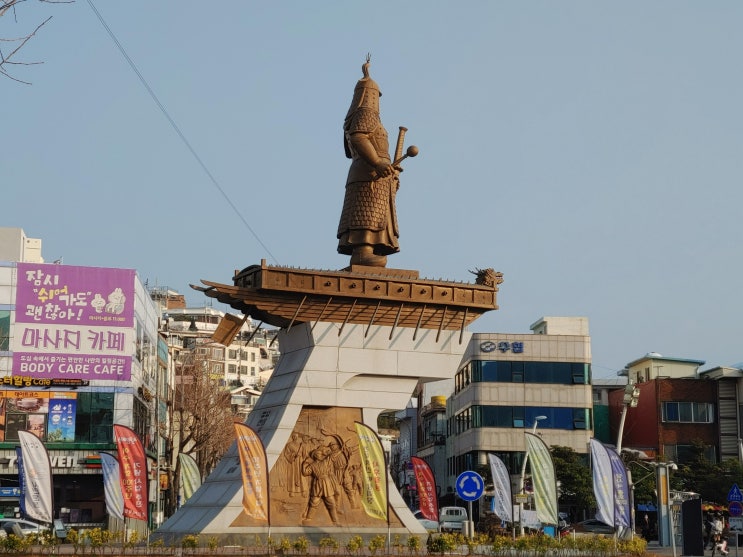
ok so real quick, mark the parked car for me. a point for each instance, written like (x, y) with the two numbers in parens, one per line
(26, 526)
(593, 526)
(428, 524)
(452, 519)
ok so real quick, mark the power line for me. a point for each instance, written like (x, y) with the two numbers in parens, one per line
(177, 129)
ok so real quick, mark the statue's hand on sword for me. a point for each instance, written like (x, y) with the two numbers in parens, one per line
(399, 157)
(412, 151)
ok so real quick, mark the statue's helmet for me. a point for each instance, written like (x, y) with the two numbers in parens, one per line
(367, 82)
(366, 93)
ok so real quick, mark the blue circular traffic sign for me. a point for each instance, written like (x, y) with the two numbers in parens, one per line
(470, 486)
(735, 508)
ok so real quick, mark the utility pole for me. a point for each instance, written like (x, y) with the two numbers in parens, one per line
(630, 400)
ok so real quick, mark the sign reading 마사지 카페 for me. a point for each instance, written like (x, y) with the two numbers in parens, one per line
(74, 322)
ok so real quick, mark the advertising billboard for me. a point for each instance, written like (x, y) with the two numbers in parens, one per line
(74, 322)
(48, 415)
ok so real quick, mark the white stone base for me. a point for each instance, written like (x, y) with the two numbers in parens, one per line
(360, 368)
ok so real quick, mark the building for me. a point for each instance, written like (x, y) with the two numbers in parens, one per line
(431, 425)
(729, 409)
(401, 468)
(601, 387)
(677, 405)
(508, 383)
(247, 361)
(79, 352)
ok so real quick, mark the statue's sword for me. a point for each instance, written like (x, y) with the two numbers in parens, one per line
(400, 141)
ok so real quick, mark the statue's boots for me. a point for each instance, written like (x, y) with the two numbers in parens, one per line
(364, 255)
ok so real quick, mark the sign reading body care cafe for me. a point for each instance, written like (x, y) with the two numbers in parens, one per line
(74, 322)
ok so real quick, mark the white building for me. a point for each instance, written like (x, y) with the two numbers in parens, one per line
(509, 382)
(78, 354)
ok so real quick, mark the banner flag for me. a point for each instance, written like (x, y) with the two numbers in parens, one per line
(610, 486)
(374, 498)
(112, 485)
(190, 476)
(543, 479)
(502, 500)
(602, 482)
(254, 467)
(132, 472)
(21, 480)
(621, 490)
(38, 478)
(426, 485)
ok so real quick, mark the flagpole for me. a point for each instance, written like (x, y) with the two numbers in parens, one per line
(387, 498)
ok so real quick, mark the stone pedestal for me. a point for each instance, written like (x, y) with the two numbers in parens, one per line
(323, 383)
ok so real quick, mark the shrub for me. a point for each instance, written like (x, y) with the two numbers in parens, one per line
(355, 544)
(131, 540)
(376, 543)
(414, 544)
(329, 544)
(442, 543)
(635, 546)
(284, 545)
(190, 541)
(14, 544)
(74, 539)
(301, 545)
(97, 539)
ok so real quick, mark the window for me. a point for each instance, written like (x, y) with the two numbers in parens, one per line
(684, 453)
(688, 412)
(141, 418)
(496, 371)
(233, 354)
(4, 331)
(94, 418)
(520, 417)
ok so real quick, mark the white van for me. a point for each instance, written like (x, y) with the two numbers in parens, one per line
(452, 519)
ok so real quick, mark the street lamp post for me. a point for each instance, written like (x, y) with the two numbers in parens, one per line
(630, 400)
(537, 419)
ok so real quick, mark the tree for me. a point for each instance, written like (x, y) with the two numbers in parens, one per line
(711, 480)
(9, 56)
(576, 482)
(201, 419)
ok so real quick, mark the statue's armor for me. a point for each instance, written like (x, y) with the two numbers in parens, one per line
(368, 216)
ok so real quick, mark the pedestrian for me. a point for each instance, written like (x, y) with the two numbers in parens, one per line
(717, 527)
(708, 531)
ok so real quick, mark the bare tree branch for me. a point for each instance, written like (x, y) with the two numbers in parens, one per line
(201, 418)
(6, 60)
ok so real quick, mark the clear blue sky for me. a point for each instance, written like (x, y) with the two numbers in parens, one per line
(590, 151)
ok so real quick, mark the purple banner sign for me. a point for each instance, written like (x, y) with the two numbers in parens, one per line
(65, 294)
(73, 366)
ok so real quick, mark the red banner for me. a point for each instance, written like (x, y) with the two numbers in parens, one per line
(254, 472)
(132, 472)
(429, 505)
